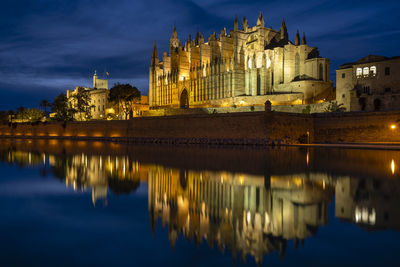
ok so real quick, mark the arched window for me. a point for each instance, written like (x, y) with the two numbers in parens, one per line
(372, 70)
(359, 72)
(321, 72)
(297, 66)
(365, 71)
(249, 62)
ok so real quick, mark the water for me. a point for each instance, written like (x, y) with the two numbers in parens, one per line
(81, 203)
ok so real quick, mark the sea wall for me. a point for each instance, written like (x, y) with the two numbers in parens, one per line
(257, 128)
(357, 127)
(233, 128)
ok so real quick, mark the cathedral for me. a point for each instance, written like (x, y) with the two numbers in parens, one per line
(246, 66)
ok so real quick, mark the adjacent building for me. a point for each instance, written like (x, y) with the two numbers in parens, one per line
(101, 108)
(98, 98)
(246, 65)
(369, 84)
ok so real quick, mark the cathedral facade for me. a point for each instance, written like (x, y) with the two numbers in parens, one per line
(247, 65)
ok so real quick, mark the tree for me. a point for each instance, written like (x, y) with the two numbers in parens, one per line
(29, 114)
(33, 114)
(82, 103)
(124, 96)
(21, 113)
(335, 107)
(62, 109)
(44, 104)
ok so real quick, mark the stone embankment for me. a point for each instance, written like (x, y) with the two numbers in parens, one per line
(246, 128)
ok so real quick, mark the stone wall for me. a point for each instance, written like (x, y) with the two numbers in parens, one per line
(357, 127)
(257, 128)
(314, 108)
(233, 128)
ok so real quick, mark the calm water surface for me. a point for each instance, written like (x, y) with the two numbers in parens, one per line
(91, 203)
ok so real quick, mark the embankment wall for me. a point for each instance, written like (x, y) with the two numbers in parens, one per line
(233, 128)
(237, 128)
(357, 127)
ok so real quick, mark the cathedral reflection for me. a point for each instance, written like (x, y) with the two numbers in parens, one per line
(249, 214)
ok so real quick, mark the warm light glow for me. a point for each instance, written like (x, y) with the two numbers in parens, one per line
(393, 126)
(308, 157)
(392, 166)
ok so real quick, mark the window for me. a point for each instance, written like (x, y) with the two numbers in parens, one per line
(343, 75)
(387, 71)
(372, 71)
(297, 65)
(388, 90)
(365, 71)
(359, 72)
(343, 96)
(321, 72)
(367, 90)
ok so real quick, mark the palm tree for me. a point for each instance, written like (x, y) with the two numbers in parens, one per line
(44, 104)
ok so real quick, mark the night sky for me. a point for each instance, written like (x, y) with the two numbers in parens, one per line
(49, 46)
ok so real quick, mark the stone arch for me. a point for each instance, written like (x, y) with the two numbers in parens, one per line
(184, 99)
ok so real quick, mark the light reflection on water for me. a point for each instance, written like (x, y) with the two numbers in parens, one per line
(250, 202)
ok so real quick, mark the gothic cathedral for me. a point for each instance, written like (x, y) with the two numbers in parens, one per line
(247, 66)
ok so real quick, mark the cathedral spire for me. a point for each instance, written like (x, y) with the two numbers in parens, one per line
(304, 41)
(154, 55)
(245, 24)
(284, 32)
(236, 24)
(174, 43)
(297, 38)
(174, 33)
(260, 20)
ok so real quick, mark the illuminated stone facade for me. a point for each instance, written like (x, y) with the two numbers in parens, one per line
(246, 62)
(369, 84)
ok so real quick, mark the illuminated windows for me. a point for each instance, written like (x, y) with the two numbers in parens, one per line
(365, 71)
(372, 70)
(359, 72)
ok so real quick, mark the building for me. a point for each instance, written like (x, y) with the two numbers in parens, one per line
(370, 84)
(98, 98)
(246, 66)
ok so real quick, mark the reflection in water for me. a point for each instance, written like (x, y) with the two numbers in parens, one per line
(247, 214)
(248, 211)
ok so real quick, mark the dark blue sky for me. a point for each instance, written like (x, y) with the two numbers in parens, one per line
(48, 46)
